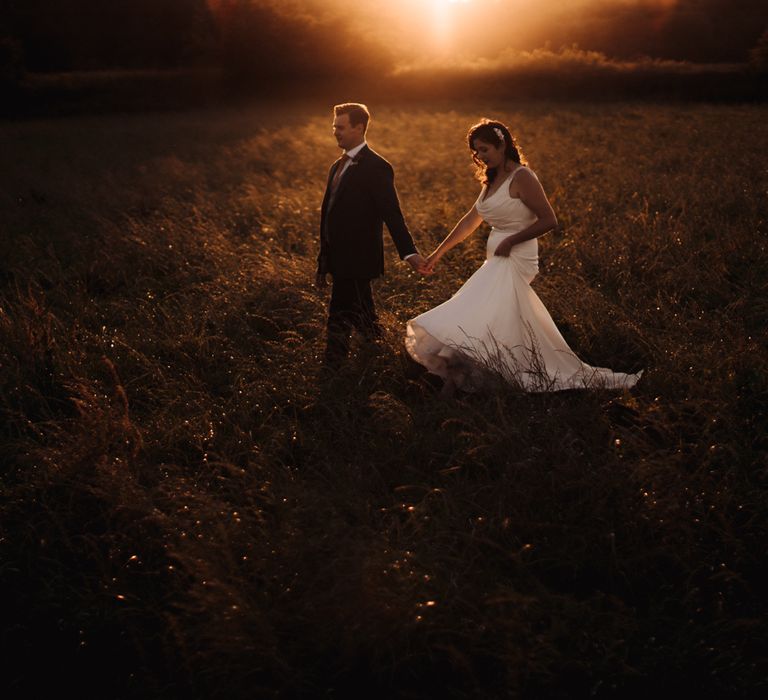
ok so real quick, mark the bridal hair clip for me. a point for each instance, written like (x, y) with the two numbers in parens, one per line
(499, 133)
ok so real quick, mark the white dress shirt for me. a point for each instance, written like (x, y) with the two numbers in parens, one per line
(351, 153)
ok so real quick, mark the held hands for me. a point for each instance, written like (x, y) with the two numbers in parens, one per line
(431, 263)
(418, 263)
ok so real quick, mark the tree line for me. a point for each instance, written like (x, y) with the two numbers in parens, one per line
(250, 39)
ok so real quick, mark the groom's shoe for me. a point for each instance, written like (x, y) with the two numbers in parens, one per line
(333, 360)
(372, 332)
(336, 353)
(327, 373)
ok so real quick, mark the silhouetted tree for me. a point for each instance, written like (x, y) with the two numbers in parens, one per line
(253, 40)
(758, 56)
(701, 31)
(11, 62)
(93, 34)
(259, 43)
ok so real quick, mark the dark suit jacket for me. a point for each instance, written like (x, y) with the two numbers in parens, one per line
(351, 222)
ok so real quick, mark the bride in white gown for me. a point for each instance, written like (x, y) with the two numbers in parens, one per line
(495, 324)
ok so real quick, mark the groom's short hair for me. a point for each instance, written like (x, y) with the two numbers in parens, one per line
(358, 113)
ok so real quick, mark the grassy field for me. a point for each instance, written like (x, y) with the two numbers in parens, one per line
(189, 509)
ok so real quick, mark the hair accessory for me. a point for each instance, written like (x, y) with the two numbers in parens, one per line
(499, 133)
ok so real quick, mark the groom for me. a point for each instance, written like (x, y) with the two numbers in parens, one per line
(360, 197)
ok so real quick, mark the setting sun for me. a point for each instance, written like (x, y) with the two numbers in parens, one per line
(436, 23)
(443, 25)
(418, 32)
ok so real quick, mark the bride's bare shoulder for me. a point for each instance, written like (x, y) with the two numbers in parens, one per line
(524, 173)
(523, 178)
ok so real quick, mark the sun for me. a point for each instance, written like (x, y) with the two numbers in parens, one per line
(423, 29)
(438, 3)
(442, 21)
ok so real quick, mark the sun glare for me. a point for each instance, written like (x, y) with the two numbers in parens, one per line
(442, 21)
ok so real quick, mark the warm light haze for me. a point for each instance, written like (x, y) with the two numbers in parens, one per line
(431, 32)
(423, 31)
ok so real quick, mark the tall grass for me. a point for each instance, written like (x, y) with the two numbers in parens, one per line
(190, 508)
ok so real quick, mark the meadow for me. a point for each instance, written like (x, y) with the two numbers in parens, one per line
(190, 508)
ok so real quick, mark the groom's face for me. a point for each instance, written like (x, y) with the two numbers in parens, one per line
(347, 136)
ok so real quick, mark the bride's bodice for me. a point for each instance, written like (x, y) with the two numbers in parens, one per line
(508, 215)
(503, 212)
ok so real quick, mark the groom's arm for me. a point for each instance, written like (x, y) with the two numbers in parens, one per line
(388, 204)
(322, 256)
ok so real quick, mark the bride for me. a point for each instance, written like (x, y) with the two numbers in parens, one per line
(496, 324)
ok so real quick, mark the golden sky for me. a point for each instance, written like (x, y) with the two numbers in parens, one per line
(455, 31)
(434, 28)
(427, 30)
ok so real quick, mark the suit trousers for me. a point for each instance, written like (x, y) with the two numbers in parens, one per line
(351, 308)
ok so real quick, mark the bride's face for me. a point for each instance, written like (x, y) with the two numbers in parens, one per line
(492, 156)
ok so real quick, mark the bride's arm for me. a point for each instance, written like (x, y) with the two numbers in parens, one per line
(463, 229)
(530, 191)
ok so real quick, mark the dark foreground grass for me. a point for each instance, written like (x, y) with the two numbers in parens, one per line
(190, 509)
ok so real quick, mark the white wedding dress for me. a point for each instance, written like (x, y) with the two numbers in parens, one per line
(496, 325)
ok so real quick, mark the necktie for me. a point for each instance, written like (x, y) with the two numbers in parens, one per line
(337, 174)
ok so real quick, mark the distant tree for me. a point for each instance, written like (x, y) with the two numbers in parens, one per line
(758, 56)
(701, 31)
(11, 62)
(11, 51)
(261, 42)
(94, 34)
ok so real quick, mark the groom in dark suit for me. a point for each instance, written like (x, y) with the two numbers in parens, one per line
(360, 197)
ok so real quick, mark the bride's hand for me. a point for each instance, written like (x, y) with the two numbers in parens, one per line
(432, 260)
(504, 248)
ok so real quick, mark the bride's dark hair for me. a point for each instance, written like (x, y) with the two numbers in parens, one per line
(485, 130)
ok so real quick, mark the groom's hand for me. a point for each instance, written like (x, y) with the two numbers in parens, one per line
(418, 263)
(321, 280)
